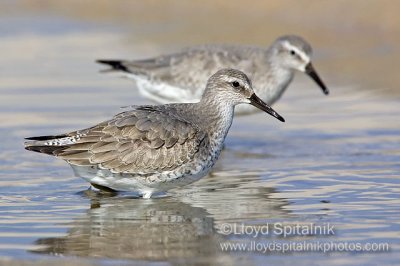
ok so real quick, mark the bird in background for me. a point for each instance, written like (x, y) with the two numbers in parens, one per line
(153, 148)
(180, 77)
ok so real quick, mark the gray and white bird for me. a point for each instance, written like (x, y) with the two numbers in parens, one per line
(180, 77)
(151, 149)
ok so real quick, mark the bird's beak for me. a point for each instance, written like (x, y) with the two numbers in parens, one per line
(257, 102)
(313, 74)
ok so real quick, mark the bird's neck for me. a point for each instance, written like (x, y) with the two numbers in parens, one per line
(270, 86)
(281, 80)
(218, 114)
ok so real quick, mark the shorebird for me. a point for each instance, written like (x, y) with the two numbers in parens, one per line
(152, 148)
(179, 77)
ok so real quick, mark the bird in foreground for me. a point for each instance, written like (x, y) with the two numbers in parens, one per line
(153, 148)
(180, 77)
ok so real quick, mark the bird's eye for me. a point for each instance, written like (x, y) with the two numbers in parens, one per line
(235, 84)
(292, 52)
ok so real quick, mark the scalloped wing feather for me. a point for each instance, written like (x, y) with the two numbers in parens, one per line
(144, 140)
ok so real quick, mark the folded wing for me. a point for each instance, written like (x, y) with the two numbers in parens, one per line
(144, 141)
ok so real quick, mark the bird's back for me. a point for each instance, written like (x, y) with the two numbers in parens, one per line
(181, 77)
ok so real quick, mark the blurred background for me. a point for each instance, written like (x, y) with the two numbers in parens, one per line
(356, 42)
(336, 159)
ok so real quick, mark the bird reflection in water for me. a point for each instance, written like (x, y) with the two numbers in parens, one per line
(163, 229)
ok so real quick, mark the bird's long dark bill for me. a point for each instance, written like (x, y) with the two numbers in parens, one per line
(257, 102)
(313, 74)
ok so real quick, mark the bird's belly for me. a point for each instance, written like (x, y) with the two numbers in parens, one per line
(165, 93)
(141, 184)
(104, 177)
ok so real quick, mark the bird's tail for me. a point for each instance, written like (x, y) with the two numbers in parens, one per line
(51, 145)
(116, 65)
(130, 69)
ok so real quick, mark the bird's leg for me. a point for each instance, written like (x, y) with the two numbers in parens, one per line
(147, 194)
(99, 188)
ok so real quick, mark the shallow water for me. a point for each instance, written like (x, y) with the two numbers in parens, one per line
(335, 160)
